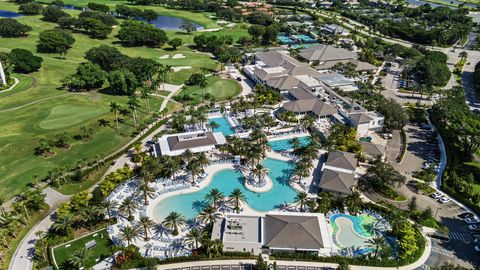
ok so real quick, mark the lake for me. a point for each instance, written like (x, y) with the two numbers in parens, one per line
(172, 23)
(9, 14)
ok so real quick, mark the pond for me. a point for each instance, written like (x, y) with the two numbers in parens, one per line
(434, 5)
(9, 14)
(172, 23)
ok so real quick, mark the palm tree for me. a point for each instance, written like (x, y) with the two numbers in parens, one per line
(209, 215)
(214, 196)
(463, 54)
(193, 237)
(173, 221)
(214, 247)
(236, 197)
(145, 93)
(377, 243)
(79, 258)
(147, 191)
(109, 205)
(114, 107)
(187, 156)
(132, 105)
(173, 166)
(63, 224)
(353, 202)
(295, 143)
(202, 160)
(146, 223)
(260, 171)
(127, 206)
(129, 234)
(301, 198)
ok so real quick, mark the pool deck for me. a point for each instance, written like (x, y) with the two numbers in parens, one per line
(288, 137)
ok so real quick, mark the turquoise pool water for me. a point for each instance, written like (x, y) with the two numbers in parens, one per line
(223, 126)
(226, 180)
(283, 145)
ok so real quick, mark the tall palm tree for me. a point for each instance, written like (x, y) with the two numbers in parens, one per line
(79, 258)
(109, 205)
(295, 143)
(128, 206)
(214, 196)
(187, 156)
(173, 166)
(214, 247)
(354, 202)
(63, 224)
(202, 160)
(114, 107)
(194, 169)
(377, 243)
(301, 198)
(129, 234)
(147, 223)
(193, 237)
(145, 93)
(173, 221)
(209, 215)
(147, 192)
(260, 171)
(237, 197)
(132, 105)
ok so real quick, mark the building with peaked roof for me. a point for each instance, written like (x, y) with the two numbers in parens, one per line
(196, 141)
(334, 29)
(324, 53)
(366, 122)
(373, 151)
(339, 173)
(275, 232)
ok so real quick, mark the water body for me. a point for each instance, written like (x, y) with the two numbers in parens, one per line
(9, 14)
(434, 5)
(172, 23)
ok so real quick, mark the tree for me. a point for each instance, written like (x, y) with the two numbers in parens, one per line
(63, 224)
(109, 205)
(354, 202)
(173, 221)
(382, 176)
(80, 257)
(146, 223)
(377, 243)
(107, 57)
(209, 215)
(463, 55)
(136, 33)
(31, 8)
(213, 197)
(132, 105)
(127, 206)
(175, 43)
(147, 191)
(301, 198)
(257, 32)
(194, 169)
(24, 61)
(53, 13)
(129, 234)
(193, 237)
(122, 82)
(94, 28)
(260, 171)
(12, 28)
(114, 107)
(412, 205)
(98, 7)
(55, 41)
(237, 197)
(88, 76)
(260, 264)
(188, 27)
(343, 265)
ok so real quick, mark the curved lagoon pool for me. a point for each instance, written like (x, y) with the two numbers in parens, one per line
(9, 14)
(226, 180)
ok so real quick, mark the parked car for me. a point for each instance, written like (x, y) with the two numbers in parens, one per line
(466, 215)
(477, 249)
(473, 220)
(436, 195)
(444, 200)
(473, 227)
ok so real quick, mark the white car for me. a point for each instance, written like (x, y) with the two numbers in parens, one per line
(472, 220)
(444, 200)
(436, 195)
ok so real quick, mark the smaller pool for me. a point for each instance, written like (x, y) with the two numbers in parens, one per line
(283, 145)
(9, 14)
(306, 38)
(285, 40)
(223, 126)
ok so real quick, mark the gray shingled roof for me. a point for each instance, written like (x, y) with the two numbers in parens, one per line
(295, 232)
(372, 149)
(343, 160)
(337, 181)
(360, 118)
(316, 106)
(196, 140)
(324, 53)
(300, 93)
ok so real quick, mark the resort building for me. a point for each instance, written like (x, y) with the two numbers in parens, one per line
(304, 102)
(335, 80)
(196, 141)
(275, 232)
(339, 173)
(373, 151)
(366, 122)
(334, 29)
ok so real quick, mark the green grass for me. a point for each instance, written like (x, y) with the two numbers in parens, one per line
(37, 108)
(101, 250)
(221, 89)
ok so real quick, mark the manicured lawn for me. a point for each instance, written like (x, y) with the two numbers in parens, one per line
(62, 253)
(221, 89)
(37, 108)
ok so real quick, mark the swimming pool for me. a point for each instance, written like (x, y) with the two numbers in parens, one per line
(283, 145)
(223, 126)
(226, 181)
(353, 232)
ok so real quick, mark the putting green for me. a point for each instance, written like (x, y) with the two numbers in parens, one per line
(68, 115)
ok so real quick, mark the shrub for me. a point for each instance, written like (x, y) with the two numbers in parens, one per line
(12, 28)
